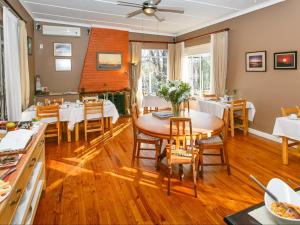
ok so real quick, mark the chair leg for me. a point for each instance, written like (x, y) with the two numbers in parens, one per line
(222, 155)
(232, 123)
(157, 152)
(181, 175)
(227, 161)
(133, 153)
(200, 163)
(58, 133)
(169, 180)
(85, 131)
(139, 148)
(195, 178)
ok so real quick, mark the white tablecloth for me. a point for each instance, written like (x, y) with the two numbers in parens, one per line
(285, 127)
(217, 108)
(74, 114)
(155, 101)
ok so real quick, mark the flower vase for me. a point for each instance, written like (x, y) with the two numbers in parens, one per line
(175, 109)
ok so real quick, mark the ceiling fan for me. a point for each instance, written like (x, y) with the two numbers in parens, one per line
(149, 8)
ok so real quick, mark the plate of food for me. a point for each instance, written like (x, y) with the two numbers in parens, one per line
(287, 209)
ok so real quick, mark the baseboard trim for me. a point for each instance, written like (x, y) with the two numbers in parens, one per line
(264, 135)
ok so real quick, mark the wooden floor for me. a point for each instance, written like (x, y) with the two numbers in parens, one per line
(95, 184)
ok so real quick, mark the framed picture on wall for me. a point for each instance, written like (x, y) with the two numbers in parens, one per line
(62, 49)
(63, 65)
(285, 60)
(29, 45)
(256, 61)
(109, 61)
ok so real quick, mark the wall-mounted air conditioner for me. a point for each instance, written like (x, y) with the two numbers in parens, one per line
(61, 31)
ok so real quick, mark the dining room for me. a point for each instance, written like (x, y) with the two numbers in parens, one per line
(149, 112)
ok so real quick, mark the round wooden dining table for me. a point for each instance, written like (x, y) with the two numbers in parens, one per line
(202, 123)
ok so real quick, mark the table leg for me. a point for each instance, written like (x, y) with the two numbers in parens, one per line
(246, 122)
(111, 126)
(69, 135)
(285, 151)
(77, 132)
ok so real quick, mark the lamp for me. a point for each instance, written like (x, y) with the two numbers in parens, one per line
(149, 10)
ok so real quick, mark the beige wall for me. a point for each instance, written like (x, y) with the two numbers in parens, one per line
(69, 81)
(272, 29)
(45, 60)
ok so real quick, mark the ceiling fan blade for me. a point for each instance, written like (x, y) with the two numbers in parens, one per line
(160, 19)
(129, 4)
(171, 10)
(134, 13)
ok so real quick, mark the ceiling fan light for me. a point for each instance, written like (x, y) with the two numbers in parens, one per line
(149, 11)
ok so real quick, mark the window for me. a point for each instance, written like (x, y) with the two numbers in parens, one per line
(154, 69)
(197, 72)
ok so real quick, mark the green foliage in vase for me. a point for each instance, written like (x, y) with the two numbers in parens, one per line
(175, 92)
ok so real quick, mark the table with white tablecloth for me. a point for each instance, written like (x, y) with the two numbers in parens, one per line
(153, 101)
(286, 128)
(73, 113)
(217, 108)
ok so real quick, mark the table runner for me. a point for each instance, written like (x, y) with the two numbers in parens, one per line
(217, 108)
(74, 113)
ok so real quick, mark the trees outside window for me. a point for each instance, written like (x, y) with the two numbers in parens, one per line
(154, 69)
(197, 72)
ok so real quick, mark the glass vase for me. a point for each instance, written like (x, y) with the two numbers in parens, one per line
(175, 109)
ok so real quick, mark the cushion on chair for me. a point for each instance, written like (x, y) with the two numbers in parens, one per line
(208, 141)
(142, 136)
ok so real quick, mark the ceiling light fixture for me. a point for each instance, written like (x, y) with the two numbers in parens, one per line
(149, 10)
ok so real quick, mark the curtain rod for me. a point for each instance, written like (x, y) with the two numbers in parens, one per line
(6, 3)
(187, 39)
(203, 35)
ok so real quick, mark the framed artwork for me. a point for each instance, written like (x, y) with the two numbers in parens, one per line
(62, 49)
(63, 65)
(109, 61)
(256, 61)
(29, 45)
(285, 60)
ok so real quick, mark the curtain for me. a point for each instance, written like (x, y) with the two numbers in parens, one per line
(24, 70)
(219, 55)
(175, 61)
(12, 66)
(136, 81)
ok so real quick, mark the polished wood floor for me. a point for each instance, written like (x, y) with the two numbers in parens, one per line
(95, 184)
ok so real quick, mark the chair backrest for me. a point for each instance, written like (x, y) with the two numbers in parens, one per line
(210, 96)
(134, 116)
(238, 105)
(56, 101)
(50, 111)
(186, 105)
(93, 108)
(150, 109)
(90, 99)
(285, 111)
(181, 132)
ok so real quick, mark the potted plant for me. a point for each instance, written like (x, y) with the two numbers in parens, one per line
(175, 92)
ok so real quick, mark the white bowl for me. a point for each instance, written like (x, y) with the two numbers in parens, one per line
(284, 193)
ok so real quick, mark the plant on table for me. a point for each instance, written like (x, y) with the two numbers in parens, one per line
(175, 92)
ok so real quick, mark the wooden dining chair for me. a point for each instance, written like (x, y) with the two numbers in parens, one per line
(139, 138)
(150, 109)
(90, 99)
(93, 118)
(55, 101)
(210, 96)
(286, 111)
(181, 149)
(50, 113)
(217, 142)
(238, 116)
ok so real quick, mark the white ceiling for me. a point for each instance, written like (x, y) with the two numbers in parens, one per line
(106, 13)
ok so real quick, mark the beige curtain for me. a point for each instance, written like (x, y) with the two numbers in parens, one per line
(136, 81)
(175, 60)
(24, 71)
(219, 55)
